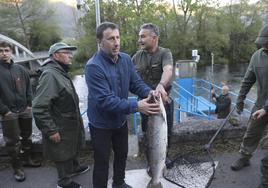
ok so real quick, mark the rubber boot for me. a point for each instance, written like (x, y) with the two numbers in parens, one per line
(19, 175)
(16, 163)
(11, 133)
(264, 167)
(240, 163)
(26, 142)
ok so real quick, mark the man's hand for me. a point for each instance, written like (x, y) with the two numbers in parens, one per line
(213, 91)
(148, 108)
(160, 89)
(258, 114)
(55, 137)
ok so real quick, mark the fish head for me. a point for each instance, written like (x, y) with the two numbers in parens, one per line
(153, 98)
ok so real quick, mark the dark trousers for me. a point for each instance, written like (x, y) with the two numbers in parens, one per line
(103, 140)
(17, 131)
(65, 169)
(169, 107)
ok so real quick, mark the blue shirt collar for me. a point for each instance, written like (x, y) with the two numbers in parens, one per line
(107, 57)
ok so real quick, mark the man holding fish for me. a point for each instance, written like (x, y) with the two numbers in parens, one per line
(110, 75)
(155, 66)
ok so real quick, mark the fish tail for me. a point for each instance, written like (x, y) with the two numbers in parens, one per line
(151, 184)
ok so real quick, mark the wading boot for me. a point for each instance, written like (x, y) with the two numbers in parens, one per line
(240, 163)
(19, 175)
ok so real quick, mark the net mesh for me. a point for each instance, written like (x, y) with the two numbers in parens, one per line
(191, 170)
(195, 169)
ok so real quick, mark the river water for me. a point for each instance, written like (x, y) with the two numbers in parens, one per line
(231, 75)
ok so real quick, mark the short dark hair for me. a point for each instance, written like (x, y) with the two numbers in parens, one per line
(103, 26)
(6, 44)
(154, 28)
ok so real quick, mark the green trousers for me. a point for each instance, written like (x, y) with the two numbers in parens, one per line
(264, 170)
(255, 134)
(65, 169)
(17, 131)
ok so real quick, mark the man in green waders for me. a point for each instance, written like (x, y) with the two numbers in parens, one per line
(258, 127)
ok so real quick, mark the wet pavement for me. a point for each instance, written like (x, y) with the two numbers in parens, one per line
(45, 177)
(248, 177)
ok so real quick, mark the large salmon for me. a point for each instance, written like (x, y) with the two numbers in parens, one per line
(157, 144)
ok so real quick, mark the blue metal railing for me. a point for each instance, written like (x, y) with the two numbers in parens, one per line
(83, 113)
(192, 103)
(135, 116)
(194, 114)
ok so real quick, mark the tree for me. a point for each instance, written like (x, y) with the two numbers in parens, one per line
(242, 28)
(227, 32)
(28, 20)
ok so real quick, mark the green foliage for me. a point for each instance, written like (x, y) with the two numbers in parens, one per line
(42, 35)
(227, 32)
(29, 22)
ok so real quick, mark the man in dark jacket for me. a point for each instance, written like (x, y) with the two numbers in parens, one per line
(57, 114)
(15, 111)
(110, 75)
(223, 102)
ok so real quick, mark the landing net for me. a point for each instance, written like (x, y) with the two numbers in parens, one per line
(191, 170)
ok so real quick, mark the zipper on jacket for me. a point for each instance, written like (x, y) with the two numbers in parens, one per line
(15, 88)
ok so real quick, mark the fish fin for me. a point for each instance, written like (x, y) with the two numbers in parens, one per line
(154, 185)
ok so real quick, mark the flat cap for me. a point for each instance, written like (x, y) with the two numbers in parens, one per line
(58, 46)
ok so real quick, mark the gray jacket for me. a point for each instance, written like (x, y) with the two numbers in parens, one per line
(256, 73)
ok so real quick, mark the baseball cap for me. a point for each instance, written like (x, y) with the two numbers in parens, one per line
(263, 36)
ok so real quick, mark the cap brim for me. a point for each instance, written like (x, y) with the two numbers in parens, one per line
(261, 40)
(69, 48)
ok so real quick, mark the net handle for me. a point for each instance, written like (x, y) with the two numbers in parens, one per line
(208, 145)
